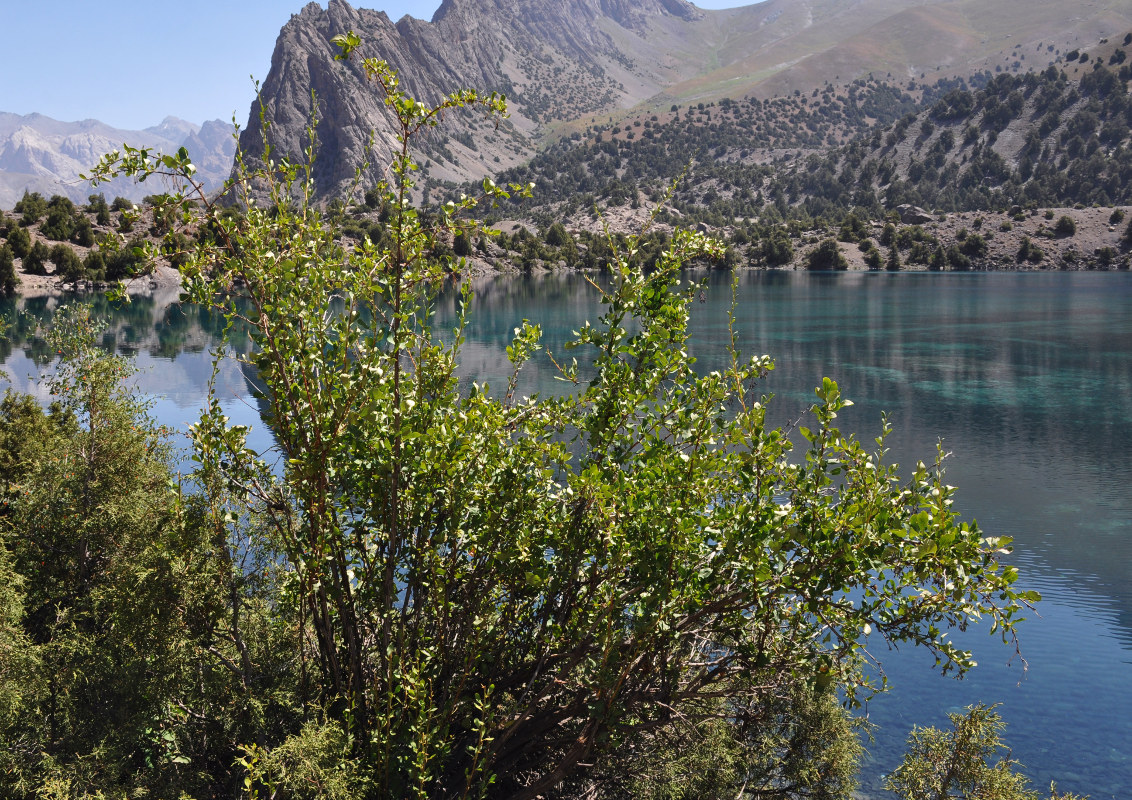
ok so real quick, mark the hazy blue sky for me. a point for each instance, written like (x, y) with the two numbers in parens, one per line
(130, 63)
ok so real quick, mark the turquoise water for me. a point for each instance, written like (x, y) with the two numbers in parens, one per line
(1027, 379)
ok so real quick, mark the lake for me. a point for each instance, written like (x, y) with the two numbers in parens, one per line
(1027, 379)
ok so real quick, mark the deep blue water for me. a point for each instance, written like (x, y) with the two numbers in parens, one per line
(1027, 379)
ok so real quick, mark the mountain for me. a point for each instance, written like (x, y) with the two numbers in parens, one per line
(41, 154)
(568, 64)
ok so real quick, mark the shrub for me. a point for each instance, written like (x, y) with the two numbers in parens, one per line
(126, 262)
(969, 761)
(853, 229)
(35, 262)
(557, 236)
(8, 278)
(84, 233)
(121, 588)
(777, 249)
(1030, 252)
(826, 256)
(893, 262)
(957, 259)
(19, 239)
(1116, 217)
(1065, 226)
(94, 266)
(59, 225)
(32, 207)
(68, 265)
(974, 246)
(495, 590)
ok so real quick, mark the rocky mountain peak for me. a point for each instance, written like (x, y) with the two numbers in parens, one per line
(628, 13)
(554, 59)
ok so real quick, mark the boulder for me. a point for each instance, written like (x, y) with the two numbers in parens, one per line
(913, 215)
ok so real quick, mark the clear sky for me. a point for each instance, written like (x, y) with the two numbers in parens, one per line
(130, 63)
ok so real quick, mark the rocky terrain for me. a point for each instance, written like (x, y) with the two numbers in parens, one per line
(568, 65)
(1028, 166)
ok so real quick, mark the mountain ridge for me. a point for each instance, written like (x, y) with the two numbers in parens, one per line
(565, 65)
(42, 154)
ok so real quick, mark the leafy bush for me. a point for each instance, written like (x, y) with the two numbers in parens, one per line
(35, 262)
(493, 590)
(970, 761)
(892, 263)
(826, 256)
(68, 265)
(137, 627)
(32, 207)
(957, 259)
(777, 250)
(84, 233)
(974, 246)
(60, 223)
(8, 278)
(1065, 226)
(873, 258)
(1030, 252)
(19, 239)
(853, 229)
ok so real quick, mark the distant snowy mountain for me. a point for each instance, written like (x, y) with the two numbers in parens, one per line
(41, 154)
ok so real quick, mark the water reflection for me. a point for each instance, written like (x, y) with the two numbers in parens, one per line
(1026, 377)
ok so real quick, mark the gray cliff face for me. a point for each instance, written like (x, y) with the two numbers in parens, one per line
(553, 59)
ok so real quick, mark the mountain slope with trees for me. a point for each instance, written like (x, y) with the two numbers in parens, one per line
(568, 65)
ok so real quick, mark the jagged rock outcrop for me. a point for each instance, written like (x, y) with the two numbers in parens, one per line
(581, 61)
(554, 60)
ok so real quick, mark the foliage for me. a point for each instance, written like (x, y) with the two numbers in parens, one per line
(803, 740)
(32, 207)
(35, 262)
(134, 675)
(1030, 252)
(61, 219)
(974, 246)
(67, 263)
(19, 240)
(8, 278)
(495, 593)
(1065, 226)
(892, 263)
(777, 249)
(826, 256)
(969, 762)
(84, 232)
(1076, 141)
